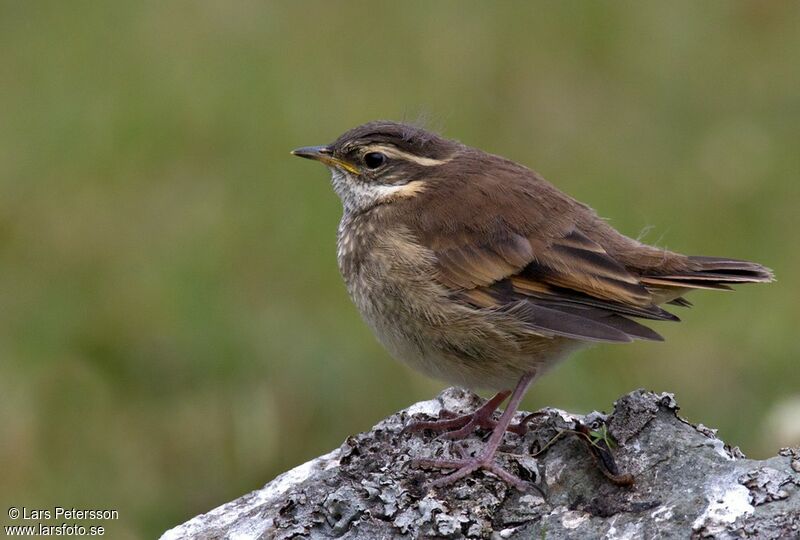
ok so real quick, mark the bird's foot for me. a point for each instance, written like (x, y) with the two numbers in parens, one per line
(466, 466)
(458, 427)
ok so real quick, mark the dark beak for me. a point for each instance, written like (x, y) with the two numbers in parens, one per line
(312, 152)
(324, 154)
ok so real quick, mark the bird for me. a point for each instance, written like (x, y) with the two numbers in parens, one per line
(475, 270)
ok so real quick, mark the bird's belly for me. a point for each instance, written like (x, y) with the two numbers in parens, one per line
(420, 325)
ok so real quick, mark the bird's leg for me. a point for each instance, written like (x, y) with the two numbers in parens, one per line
(465, 424)
(466, 466)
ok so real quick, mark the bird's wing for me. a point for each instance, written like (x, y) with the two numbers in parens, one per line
(566, 286)
(519, 249)
(571, 262)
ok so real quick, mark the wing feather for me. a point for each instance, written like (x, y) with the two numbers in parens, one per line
(503, 239)
(568, 287)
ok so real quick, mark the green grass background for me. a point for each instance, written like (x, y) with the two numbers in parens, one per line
(174, 331)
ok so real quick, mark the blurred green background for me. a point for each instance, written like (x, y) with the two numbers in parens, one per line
(174, 331)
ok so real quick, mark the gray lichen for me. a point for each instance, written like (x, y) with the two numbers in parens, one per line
(688, 483)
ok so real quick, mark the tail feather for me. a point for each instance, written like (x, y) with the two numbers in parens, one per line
(680, 301)
(712, 273)
(683, 282)
(730, 270)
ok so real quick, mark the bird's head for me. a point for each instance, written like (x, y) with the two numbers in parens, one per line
(379, 162)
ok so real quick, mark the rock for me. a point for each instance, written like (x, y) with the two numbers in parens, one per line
(686, 483)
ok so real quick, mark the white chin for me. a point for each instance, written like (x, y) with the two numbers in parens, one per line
(357, 195)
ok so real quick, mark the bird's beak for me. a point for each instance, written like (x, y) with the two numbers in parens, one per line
(324, 154)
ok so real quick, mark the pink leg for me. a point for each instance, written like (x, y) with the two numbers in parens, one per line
(466, 466)
(465, 424)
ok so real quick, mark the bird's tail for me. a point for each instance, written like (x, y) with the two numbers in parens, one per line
(711, 273)
(725, 270)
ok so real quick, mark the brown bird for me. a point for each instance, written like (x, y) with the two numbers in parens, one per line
(474, 269)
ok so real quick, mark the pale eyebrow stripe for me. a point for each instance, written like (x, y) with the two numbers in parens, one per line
(392, 151)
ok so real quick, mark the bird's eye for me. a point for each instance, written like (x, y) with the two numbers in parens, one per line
(373, 160)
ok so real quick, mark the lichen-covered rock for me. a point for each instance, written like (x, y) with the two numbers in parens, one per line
(687, 483)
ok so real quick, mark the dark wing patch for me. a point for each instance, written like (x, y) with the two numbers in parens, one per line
(570, 288)
(572, 262)
(567, 297)
(556, 322)
(577, 263)
(618, 322)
